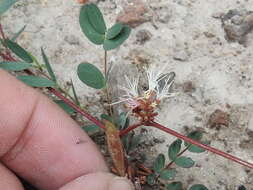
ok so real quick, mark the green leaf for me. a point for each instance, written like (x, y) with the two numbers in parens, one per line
(65, 106)
(159, 163)
(151, 179)
(196, 149)
(198, 187)
(96, 18)
(36, 81)
(177, 185)
(14, 66)
(118, 40)
(174, 149)
(91, 128)
(168, 174)
(74, 92)
(123, 120)
(195, 135)
(5, 5)
(19, 51)
(114, 31)
(48, 66)
(88, 28)
(91, 75)
(18, 34)
(184, 162)
(106, 117)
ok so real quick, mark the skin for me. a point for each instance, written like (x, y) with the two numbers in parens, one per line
(41, 143)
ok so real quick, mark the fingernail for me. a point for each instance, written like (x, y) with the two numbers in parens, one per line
(121, 183)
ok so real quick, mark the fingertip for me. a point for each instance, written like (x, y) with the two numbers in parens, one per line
(99, 181)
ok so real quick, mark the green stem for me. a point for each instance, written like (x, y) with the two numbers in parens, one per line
(107, 85)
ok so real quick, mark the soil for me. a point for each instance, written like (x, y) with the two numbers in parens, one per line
(208, 47)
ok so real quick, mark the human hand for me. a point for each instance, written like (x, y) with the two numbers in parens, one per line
(41, 143)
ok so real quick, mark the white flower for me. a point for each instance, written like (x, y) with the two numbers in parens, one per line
(131, 93)
(158, 89)
(159, 82)
(153, 74)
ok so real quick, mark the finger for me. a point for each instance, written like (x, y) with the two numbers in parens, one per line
(41, 142)
(99, 181)
(8, 180)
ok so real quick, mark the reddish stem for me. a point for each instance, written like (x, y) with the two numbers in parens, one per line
(206, 147)
(75, 107)
(130, 128)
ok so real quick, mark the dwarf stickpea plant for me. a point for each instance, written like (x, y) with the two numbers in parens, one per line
(139, 103)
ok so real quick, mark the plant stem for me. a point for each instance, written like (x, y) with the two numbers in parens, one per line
(107, 85)
(59, 95)
(179, 154)
(130, 128)
(75, 107)
(206, 147)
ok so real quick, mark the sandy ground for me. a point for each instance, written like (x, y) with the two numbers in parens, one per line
(186, 37)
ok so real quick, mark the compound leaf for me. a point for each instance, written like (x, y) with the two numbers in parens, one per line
(91, 75)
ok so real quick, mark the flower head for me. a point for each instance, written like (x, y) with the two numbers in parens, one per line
(143, 103)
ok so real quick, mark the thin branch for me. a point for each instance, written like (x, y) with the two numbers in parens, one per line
(179, 154)
(206, 147)
(130, 128)
(76, 108)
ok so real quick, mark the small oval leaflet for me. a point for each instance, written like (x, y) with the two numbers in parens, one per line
(168, 174)
(114, 31)
(177, 185)
(88, 28)
(184, 162)
(118, 40)
(198, 187)
(35, 81)
(96, 18)
(18, 51)
(91, 76)
(14, 66)
(159, 163)
(195, 135)
(174, 149)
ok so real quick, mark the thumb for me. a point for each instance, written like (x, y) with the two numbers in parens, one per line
(99, 181)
